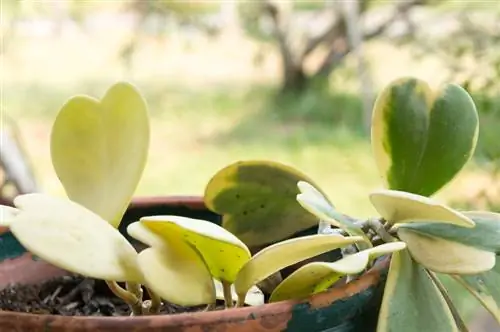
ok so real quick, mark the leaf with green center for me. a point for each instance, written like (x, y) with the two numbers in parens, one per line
(316, 203)
(485, 235)
(99, 149)
(485, 287)
(254, 296)
(446, 256)
(177, 273)
(422, 139)
(411, 301)
(257, 200)
(316, 277)
(7, 213)
(74, 238)
(286, 253)
(402, 207)
(223, 253)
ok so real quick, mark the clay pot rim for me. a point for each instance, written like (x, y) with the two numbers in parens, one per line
(369, 279)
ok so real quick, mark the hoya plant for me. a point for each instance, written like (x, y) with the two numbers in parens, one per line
(421, 140)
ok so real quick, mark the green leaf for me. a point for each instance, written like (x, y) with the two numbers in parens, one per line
(257, 200)
(485, 287)
(99, 149)
(402, 207)
(74, 238)
(485, 235)
(316, 277)
(177, 274)
(446, 256)
(411, 301)
(316, 203)
(415, 129)
(222, 252)
(282, 254)
(7, 213)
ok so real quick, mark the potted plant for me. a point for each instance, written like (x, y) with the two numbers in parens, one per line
(229, 273)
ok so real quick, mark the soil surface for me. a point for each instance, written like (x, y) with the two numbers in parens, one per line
(72, 296)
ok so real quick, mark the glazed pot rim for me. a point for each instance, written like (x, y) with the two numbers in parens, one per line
(365, 281)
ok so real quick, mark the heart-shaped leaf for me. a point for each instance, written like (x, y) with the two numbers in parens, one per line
(411, 301)
(316, 203)
(223, 253)
(7, 213)
(485, 287)
(257, 200)
(422, 139)
(99, 149)
(485, 235)
(316, 277)
(177, 274)
(254, 296)
(74, 238)
(444, 256)
(402, 207)
(280, 255)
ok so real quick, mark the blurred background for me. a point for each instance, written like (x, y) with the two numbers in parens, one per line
(292, 81)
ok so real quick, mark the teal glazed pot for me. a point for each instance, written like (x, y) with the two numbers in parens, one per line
(351, 307)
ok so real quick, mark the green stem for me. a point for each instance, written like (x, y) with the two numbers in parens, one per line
(379, 229)
(241, 301)
(155, 306)
(228, 296)
(131, 299)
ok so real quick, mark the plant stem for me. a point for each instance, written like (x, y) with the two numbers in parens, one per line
(209, 307)
(379, 229)
(454, 312)
(131, 299)
(155, 306)
(228, 296)
(135, 289)
(241, 301)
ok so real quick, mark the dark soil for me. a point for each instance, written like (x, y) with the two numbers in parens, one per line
(72, 296)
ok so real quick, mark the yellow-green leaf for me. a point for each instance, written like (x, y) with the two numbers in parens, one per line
(411, 301)
(402, 207)
(485, 287)
(223, 253)
(318, 204)
(446, 256)
(99, 149)
(282, 254)
(257, 200)
(421, 139)
(484, 235)
(74, 238)
(7, 213)
(254, 296)
(177, 274)
(316, 277)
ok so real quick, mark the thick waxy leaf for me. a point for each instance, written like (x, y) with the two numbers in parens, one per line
(99, 149)
(74, 238)
(6, 215)
(411, 301)
(286, 253)
(485, 235)
(143, 234)
(446, 256)
(257, 200)
(254, 296)
(223, 253)
(402, 207)
(315, 202)
(421, 139)
(316, 277)
(177, 274)
(485, 287)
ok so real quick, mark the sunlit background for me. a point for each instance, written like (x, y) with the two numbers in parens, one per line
(291, 81)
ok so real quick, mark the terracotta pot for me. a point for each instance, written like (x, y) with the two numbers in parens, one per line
(350, 307)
